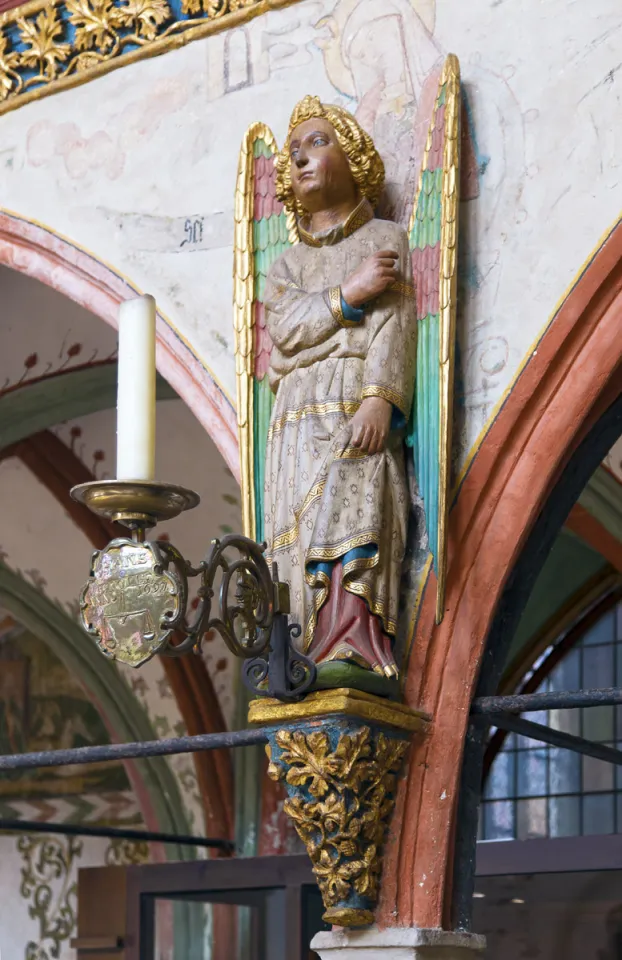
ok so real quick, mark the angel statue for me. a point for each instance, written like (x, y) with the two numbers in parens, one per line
(345, 328)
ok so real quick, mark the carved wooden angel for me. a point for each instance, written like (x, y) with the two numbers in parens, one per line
(345, 330)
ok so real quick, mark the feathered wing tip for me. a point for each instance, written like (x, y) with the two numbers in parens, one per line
(262, 232)
(433, 239)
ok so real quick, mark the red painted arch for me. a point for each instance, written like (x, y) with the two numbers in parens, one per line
(574, 375)
(40, 253)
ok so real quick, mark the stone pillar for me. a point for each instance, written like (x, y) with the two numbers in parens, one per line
(397, 943)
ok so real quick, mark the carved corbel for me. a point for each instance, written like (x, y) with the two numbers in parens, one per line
(339, 754)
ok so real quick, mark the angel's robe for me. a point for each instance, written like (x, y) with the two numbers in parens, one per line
(331, 508)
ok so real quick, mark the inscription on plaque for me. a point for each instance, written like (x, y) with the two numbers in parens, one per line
(131, 602)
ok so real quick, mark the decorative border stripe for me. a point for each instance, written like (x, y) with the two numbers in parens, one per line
(391, 396)
(326, 409)
(51, 45)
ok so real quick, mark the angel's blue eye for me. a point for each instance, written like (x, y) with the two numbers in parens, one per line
(319, 142)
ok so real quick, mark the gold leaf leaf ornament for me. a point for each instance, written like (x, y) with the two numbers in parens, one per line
(43, 49)
(96, 23)
(145, 16)
(9, 59)
(341, 795)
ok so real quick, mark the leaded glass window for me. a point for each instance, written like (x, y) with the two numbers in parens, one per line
(536, 790)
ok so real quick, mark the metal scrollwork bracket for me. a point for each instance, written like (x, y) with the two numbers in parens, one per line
(284, 673)
(135, 602)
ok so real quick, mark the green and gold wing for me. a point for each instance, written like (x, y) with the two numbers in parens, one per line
(262, 232)
(433, 237)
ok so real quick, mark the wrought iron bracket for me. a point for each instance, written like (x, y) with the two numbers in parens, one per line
(284, 674)
(135, 602)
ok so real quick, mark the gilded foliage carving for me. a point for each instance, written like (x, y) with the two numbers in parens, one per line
(340, 800)
(9, 61)
(96, 23)
(68, 41)
(42, 37)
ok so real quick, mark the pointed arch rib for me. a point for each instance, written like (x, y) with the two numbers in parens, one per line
(566, 385)
(42, 254)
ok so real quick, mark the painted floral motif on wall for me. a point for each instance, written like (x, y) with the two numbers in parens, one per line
(49, 886)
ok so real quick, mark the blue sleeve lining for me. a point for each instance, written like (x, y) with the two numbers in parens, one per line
(352, 314)
(398, 420)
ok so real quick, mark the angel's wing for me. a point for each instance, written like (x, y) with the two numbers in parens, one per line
(262, 232)
(433, 236)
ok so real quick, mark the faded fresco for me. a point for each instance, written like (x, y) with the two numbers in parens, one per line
(42, 707)
(146, 181)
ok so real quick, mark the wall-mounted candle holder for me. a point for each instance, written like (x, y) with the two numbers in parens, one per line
(135, 602)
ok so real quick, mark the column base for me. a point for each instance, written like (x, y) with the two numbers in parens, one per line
(397, 943)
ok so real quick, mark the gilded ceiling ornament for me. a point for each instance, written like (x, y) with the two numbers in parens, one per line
(50, 45)
(96, 23)
(10, 79)
(41, 36)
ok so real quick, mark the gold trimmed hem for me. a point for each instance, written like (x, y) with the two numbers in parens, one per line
(290, 536)
(357, 587)
(391, 396)
(348, 407)
(361, 563)
(353, 453)
(319, 598)
(319, 554)
(334, 300)
(351, 656)
(377, 607)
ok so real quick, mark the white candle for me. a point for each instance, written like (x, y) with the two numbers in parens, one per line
(136, 390)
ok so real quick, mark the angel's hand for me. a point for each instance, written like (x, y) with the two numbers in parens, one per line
(372, 278)
(371, 423)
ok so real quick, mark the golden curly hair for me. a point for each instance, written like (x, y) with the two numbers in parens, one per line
(365, 161)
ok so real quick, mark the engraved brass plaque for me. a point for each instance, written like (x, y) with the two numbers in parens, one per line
(131, 601)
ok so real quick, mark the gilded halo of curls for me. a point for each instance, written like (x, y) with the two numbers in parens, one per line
(365, 161)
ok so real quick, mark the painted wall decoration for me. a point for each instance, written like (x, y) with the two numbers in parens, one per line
(30, 549)
(42, 707)
(44, 333)
(55, 45)
(38, 886)
(54, 354)
(166, 223)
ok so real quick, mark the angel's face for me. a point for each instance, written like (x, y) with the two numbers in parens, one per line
(320, 172)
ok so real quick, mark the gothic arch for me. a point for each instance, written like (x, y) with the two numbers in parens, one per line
(39, 253)
(44, 255)
(59, 469)
(156, 787)
(566, 386)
